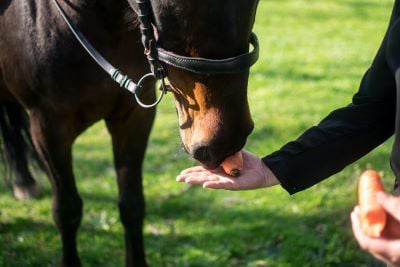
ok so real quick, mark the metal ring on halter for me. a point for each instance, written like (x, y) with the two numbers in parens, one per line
(139, 87)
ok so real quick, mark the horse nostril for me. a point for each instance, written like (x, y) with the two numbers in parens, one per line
(207, 155)
(201, 153)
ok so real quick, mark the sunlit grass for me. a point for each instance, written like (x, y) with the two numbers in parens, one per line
(313, 55)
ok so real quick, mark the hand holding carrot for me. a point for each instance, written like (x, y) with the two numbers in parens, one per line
(387, 246)
(376, 221)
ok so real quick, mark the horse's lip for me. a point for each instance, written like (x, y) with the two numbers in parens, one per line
(209, 165)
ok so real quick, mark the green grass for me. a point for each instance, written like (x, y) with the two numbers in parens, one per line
(313, 55)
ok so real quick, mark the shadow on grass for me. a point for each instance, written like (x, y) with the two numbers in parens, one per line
(191, 228)
(220, 235)
(241, 235)
(25, 242)
(225, 237)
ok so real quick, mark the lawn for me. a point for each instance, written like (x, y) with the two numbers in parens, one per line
(313, 55)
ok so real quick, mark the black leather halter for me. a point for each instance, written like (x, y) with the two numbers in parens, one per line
(198, 65)
(158, 57)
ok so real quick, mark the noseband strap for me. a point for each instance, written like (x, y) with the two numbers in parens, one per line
(197, 65)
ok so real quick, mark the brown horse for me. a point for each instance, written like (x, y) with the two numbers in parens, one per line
(45, 72)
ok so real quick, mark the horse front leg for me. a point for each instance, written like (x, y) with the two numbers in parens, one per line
(129, 139)
(53, 140)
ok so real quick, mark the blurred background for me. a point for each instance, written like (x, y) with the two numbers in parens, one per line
(313, 56)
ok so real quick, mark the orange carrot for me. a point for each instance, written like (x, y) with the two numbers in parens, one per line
(233, 165)
(372, 215)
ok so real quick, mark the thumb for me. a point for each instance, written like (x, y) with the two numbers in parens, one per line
(390, 203)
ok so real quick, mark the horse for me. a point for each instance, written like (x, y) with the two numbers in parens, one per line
(51, 91)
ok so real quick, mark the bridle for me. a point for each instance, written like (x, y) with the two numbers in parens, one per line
(159, 57)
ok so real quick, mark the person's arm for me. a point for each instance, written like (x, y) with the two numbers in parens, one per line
(346, 134)
(343, 136)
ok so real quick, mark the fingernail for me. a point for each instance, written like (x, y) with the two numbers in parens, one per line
(180, 178)
(190, 179)
(354, 217)
(355, 214)
(356, 209)
(185, 170)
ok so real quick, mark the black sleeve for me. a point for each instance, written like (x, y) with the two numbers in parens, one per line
(343, 136)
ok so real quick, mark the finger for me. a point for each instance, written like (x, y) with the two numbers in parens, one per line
(201, 179)
(379, 247)
(361, 238)
(392, 228)
(390, 203)
(183, 176)
(193, 169)
(221, 184)
(386, 250)
(354, 216)
(357, 210)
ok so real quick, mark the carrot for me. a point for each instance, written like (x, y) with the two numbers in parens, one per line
(372, 215)
(233, 165)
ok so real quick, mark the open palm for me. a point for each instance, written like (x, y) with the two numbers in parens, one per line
(255, 174)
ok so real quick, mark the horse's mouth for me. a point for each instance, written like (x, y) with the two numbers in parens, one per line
(209, 165)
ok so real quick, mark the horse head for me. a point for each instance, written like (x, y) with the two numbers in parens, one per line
(213, 110)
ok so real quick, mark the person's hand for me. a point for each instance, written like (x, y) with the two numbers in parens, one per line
(387, 247)
(255, 174)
